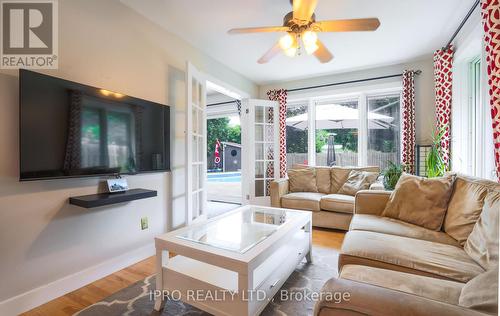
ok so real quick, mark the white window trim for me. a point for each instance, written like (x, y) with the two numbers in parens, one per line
(359, 93)
(472, 151)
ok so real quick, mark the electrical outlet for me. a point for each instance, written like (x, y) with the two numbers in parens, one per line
(144, 223)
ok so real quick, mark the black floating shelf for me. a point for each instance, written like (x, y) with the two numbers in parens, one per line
(102, 199)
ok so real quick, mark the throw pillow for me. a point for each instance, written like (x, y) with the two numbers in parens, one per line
(482, 244)
(481, 293)
(341, 174)
(464, 209)
(420, 201)
(302, 180)
(358, 180)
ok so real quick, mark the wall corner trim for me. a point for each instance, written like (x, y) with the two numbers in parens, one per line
(43, 294)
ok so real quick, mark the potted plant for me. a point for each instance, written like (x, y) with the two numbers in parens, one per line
(391, 175)
(434, 163)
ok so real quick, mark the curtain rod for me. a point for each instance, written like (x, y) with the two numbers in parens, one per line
(222, 103)
(417, 72)
(462, 24)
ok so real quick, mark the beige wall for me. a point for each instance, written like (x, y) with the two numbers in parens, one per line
(42, 238)
(424, 89)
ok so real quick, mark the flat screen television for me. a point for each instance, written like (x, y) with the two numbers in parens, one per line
(69, 129)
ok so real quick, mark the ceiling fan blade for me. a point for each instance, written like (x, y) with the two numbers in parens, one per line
(304, 9)
(275, 50)
(352, 25)
(263, 29)
(322, 53)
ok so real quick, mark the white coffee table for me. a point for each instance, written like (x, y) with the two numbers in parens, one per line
(235, 263)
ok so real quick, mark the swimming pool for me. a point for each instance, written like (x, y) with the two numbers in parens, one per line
(224, 177)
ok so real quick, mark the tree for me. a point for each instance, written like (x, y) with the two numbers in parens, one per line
(219, 129)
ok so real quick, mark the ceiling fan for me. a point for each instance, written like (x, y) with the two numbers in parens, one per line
(300, 25)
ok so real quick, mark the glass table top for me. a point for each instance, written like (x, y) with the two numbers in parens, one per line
(240, 230)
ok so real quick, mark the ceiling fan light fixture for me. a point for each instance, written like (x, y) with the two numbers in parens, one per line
(290, 52)
(310, 40)
(310, 49)
(287, 41)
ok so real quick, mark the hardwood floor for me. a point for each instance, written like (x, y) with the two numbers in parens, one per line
(100, 289)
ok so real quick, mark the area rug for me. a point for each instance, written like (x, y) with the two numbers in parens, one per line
(307, 278)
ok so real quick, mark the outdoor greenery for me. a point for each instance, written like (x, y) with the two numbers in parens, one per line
(220, 129)
(348, 138)
(434, 164)
(391, 175)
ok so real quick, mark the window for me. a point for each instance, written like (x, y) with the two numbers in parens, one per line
(337, 125)
(297, 129)
(350, 130)
(383, 130)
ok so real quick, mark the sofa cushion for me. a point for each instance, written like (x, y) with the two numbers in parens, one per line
(302, 201)
(464, 208)
(482, 244)
(408, 255)
(386, 225)
(302, 180)
(436, 289)
(481, 293)
(339, 175)
(358, 180)
(338, 203)
(322, 177)
(420, 201)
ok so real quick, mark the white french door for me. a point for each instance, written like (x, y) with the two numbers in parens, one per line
(260, 149)
(196, 146)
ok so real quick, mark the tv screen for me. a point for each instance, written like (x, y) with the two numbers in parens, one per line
(73, 130)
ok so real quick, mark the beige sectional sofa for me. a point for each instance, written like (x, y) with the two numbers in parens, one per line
(330, 209)
(391, 267)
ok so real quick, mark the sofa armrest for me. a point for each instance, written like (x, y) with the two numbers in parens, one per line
(278, 187)
(368, 299)
(371, 201)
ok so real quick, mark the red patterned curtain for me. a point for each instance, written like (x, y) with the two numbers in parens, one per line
(443, 78)
(408, 115)
(281, 95)
(490, 12)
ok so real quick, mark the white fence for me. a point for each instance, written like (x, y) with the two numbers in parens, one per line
(375, 158)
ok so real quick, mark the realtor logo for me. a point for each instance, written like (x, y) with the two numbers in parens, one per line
(29, 34)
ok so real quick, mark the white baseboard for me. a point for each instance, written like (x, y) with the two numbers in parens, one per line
(43, 294)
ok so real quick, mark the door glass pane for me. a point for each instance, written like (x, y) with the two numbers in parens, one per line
(259, 170)
(199, 86)
(269, 133)
(201, 177)
(270, 169)
(259, 151)
(383, 130)
(195, 177)
(259, 114)
(196, 203)
(194, 119)
(259, 188)
(195, 92)
(195, 148)
(296, 134)
(337, 124)
(269, 115)
(270, 151)
(259, 133)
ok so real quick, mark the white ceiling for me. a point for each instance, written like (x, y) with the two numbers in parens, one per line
(409, 29)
